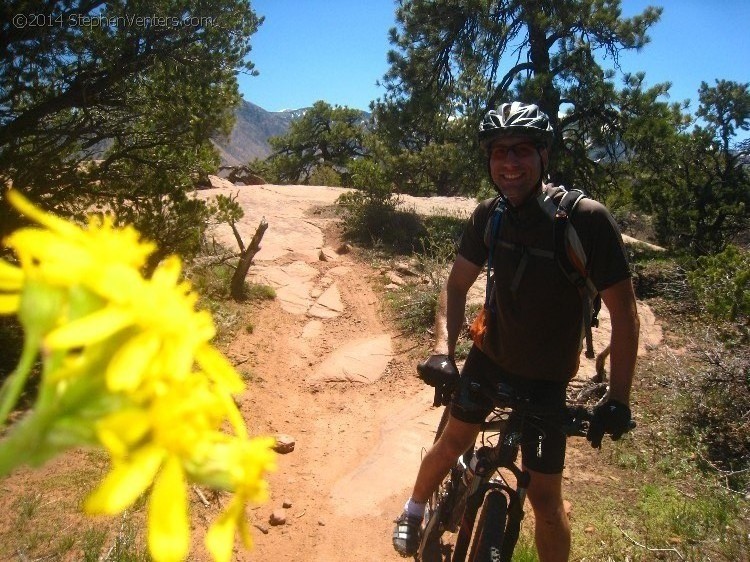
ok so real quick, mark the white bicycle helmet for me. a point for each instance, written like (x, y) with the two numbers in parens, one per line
(515, 118)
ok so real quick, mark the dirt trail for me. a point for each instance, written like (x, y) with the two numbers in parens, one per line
(328, 371)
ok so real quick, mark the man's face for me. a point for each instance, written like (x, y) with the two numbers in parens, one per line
(516, 165)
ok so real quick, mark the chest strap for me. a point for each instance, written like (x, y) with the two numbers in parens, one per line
(525, 253)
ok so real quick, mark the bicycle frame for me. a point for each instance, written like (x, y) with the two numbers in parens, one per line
(458, 501)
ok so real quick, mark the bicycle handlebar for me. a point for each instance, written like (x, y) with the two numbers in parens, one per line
(576, 424)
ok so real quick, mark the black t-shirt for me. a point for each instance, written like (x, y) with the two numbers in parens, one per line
(536, 329)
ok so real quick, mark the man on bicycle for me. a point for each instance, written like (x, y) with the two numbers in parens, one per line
(534, 323)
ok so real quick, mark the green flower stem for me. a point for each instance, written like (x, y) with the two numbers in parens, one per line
(13, 385)
(21, 443)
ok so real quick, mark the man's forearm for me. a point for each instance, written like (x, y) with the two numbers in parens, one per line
(448, 321)
(449, 318)
(623, 353)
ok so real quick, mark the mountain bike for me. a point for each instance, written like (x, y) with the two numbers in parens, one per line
(482, 497)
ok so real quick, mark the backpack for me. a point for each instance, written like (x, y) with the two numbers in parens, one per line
(567, 252)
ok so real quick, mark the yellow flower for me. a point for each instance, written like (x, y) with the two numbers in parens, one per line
(175, 434)
(167, 333)
(127, 361)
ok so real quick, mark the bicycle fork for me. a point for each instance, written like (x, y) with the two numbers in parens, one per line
(477, 488)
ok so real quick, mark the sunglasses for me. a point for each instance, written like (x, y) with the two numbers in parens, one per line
(521, 150)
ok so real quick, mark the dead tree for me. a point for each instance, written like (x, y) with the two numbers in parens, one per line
(237, 285)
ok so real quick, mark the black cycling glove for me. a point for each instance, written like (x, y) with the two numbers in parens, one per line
(441, 372)
(612, 417)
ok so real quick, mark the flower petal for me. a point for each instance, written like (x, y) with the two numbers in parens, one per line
(125, 482)
(93, 328)
(50, 221)
(168, 526)
(36, 246)
(220, 536)
(219, 369)
(119, 431)
(167, 273)
(11, 277)
(235, 416)
(127, 366)
(9, 304)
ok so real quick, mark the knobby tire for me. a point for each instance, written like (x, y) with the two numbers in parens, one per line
(490, 532)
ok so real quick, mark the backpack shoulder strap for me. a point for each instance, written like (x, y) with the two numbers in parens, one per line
(573, 269)
(491, 232)
(574, 266)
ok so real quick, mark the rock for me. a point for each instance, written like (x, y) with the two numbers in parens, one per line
(262, 528)
(392, 287)
(278, 517)
(406, 269)
(242, 174)
(567, 507)
(216, 181)
(343, 249)
(322, 523)
(395, 278)
(286, 504)
(328, 305)
(284, 444)
(328, 254)
(361, 360)
(312, 330)
(589, 529)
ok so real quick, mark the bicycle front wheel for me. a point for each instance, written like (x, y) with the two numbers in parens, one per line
(490, 532)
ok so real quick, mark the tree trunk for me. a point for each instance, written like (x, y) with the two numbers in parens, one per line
(237, 285)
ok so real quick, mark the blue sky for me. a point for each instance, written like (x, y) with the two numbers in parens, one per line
(335, 50)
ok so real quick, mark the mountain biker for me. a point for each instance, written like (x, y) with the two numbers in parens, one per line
(534, 331)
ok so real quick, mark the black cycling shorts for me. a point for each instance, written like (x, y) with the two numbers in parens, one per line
(542, 442)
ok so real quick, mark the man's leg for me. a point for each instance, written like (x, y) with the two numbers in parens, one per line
(552, 530)
(455, 439)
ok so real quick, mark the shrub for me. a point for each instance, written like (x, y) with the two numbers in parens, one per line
(722, 283)
(661, 277)
(325, 175)
(718, 406)
(259, 292)
(370, 215)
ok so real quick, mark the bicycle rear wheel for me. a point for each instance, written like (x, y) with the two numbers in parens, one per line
(490, 532)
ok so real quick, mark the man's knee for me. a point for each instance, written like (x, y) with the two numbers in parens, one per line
(545, 494)
(457, 437)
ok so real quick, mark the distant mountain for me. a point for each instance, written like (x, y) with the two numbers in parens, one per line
(252, 129)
